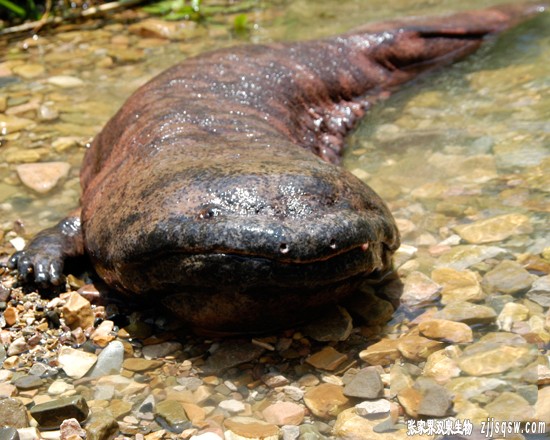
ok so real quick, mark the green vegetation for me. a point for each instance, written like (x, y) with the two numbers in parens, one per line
(198, 10)
(21, 10)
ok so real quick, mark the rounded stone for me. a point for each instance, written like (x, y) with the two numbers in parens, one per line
(326, 400)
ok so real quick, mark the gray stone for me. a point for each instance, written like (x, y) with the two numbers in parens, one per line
(290, 432)
(9, 433)
(14, 413)
(28, 382)
(373, 409)
(3, 354)
(109, 360)
(436, 400)
(540, 291)
(508, 277)
(51, 414)
(366, 384)
(463, 256)
(172, 413)
(467, 313)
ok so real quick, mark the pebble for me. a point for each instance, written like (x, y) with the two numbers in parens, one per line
(327, 359)
(284, 413)
(419, 290)
(381, 353)
(511, 407)
(239, 428)
(232, 406)
(374, 409)
(42, 177)
(109, 360)
(495, 360)
(464, 256)
(28, 382)
(28, 70)
(14, 413)
(163, 349)
(10, 315)
(441, 367)
(59, 387)
(542, 407)
(458, 285)
(467, 313)
(416, 347)
(510, 314)
(494, 229)
(139, 365)
(102, 335)
(13, 124)
(75, 363)
(436, 400)
(366, 384)
(77, 312)
(101, 426)
(451, 331)
(508, 277)
(335, 325)
(65, 81)
(173, 413)
(171, 30)
(326, 400)
(8, 433)
(70, 429)
(540, 291)
(51, 414)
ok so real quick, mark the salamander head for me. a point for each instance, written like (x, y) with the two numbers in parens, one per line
(304, 232)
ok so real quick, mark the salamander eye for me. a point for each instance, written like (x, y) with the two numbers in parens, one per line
(283, 248)
(208, 212)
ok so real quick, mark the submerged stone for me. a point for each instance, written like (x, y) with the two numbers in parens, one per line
(51, 414)
(366, 384)
(495, 228)
(508, 277)
(14, 413)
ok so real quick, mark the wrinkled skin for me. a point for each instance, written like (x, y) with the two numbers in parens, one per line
(216, 188)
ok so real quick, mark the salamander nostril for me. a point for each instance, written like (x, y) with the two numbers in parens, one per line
(208, 212)
(283, 248)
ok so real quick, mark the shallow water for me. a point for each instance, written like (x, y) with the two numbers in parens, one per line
(463, 145)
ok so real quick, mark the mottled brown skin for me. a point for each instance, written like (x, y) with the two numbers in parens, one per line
(215, 188)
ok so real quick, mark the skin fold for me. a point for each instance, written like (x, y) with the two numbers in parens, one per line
(216, 188)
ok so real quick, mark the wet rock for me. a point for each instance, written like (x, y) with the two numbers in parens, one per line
(171, 30)
(467, 313)
(65, 81)
(51, 414)
(399, 379)
(17, 346)
(290, 432)
(508, 277)
(445, 330)
(75, 363)
(173, 414)
(102, 426)
(510, 314)
(119, 408)
(495, 228)
(327, 359)
(471, 387)
(10, 315)
(13, 124)
(230, 354)
(436, 400)
(284, 413)
(239, 428)
(335, 325)
(59, 387)
(77, 312)
(232, 406)
(417, 348)
(495, 360)
(542, 407)
(373, 409)
(458, 285)
(366, 384)
(163, 349)
(326, 400)
(28, 70)
(511, 407)
(28, 382)
(70, 429)
(463, 256)
(540, 291)
(109, 360)
(102, 335)
(140, 365)
(14, 413)
(351, 426)
(9, 433)
(419, 290)
(441, 367)
(381, 353)
(410, 399)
